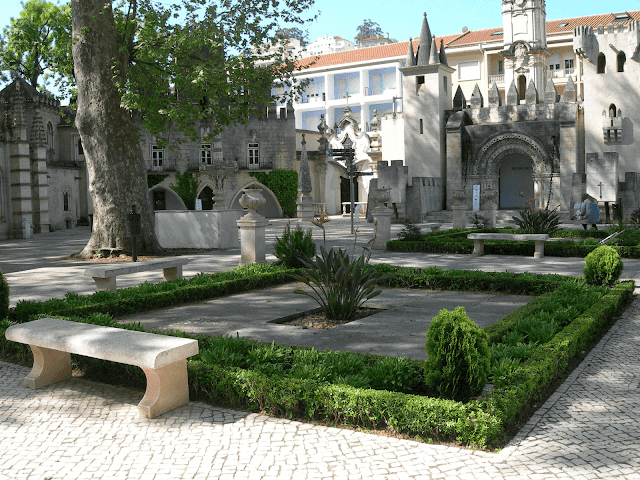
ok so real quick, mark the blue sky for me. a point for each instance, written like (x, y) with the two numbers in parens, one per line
(402, 18)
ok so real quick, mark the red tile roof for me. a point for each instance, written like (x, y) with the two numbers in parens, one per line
(457, 40)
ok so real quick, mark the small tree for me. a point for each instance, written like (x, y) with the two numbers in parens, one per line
(368, 29)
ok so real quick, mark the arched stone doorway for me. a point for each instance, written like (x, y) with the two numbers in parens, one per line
(206, 195)
(516, 182)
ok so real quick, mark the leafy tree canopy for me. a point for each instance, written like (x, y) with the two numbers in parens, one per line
(294, 33)
(368, 29)
(37, 44)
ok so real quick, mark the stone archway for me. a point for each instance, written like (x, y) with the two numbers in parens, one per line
(271, 209)
(501, 154)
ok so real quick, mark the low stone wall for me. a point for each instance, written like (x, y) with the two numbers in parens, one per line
(198, 229)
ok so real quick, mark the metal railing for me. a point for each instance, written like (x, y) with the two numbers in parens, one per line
(259, 163)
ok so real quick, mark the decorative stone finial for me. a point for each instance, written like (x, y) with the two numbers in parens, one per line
(476, 98)
(570, 91)
(459, 102)
(434, 59)
(411, 59)
(513, 97)
(531, 95)
(424, 46)
(304, 179)
(443, 55)
(495, 100)
(550, 92)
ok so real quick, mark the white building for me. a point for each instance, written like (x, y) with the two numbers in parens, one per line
(328, 44)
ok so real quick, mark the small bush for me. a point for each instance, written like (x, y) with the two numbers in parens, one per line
(294, 247)
(603, 266)
(537, 221)
(478, 220)
(4, 297)
(458, 356)
(410, 233)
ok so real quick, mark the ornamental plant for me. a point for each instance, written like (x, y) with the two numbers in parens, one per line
(603, 266)
(458, 356)
(295, 247)
(4, 297)
(410, 233)
(537, 221)
(340, 285)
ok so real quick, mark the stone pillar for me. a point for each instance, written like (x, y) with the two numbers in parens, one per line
(252, 227)
(39, 182)
(489, 208)
(382, 215)
(304, 200)
(459, 210)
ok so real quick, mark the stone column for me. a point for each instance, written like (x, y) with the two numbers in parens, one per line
(382, 215)
(304, 200)
(252, 227)
(459, 209)
(489, 208)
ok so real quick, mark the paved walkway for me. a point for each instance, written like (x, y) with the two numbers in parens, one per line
(79, 429)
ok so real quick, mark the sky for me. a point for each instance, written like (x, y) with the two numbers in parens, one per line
(402, 18)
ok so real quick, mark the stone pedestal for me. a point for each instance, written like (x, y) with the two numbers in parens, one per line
(305, 207)
(382, 215)
(252, 228)
(489, 208)
(459, 210)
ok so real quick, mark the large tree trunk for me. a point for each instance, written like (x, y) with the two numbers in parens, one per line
(117, 173)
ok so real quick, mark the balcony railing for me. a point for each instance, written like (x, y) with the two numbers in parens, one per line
(313, 98)
(255, 164)
(378, 91)
(496, 79)
(566, 73)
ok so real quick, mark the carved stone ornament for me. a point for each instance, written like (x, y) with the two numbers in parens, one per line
(252, 199)
(520, 53)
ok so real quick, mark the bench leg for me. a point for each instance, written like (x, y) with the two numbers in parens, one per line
(105, 284)
(172, 273)
(49, 366)
(539, 253)
(478, 247)
(167, 388)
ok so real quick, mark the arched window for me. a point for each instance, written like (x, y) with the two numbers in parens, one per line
(612, 110)
(602, 63)
(49, 136)
(65, 201)
(522, 86)
(622, 58)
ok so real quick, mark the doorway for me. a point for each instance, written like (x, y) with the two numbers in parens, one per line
(516, 182)
(345, 192)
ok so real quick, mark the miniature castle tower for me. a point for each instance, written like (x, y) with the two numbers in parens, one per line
(426, 92)
(525, 44)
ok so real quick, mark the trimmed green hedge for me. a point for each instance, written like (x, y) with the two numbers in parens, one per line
(456, 242)
(480, 422)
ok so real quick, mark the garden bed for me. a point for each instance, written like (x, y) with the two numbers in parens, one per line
(531, 347)
(583, 242)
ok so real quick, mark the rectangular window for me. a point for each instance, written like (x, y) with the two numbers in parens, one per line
(205, 154)
(253, 156)
(445, 80)
(500, 66)
(568, 63)
(157, 157)
(65, 201)
(469, 70)
(421, 131)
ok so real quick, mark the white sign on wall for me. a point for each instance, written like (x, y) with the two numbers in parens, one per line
(198, 204)
(476, 197)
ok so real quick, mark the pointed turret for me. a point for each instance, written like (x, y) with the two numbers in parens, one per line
(476, 98)
(531, 95)
(459, 102)
(443, 55)
(411, 59)
(513, 97)
(434, 58)
(550, 92)
(570, 91)
(424, 46)
(494, 96)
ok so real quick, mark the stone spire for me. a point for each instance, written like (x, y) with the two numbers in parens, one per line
(434, 59)
(531, 95)
(570, 91)
(411, 59)
(443, 55)
(513, 97)
(459, 102)
(304, 180)
(550, 92)
(494, 96)
(38, 137)
(424, 46)
(476, 98)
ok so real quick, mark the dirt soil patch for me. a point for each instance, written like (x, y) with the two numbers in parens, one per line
(318, 319)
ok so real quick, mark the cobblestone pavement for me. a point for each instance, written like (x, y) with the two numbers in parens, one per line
(78, 429)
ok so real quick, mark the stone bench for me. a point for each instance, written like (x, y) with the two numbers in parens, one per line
(161, 357)
(433, 226)
(479, 239)
(105, 275)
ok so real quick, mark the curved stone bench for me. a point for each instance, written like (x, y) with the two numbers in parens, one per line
(161, 357)
(105, 275)
(479, 239)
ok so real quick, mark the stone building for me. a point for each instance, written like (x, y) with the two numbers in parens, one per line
(43, 175)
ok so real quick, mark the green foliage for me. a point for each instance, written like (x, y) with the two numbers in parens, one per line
(458, 355)
(187, 189)
(154, 179)
(339, 284)
(4, 297)
(634, 218)
(284, 185)
(478, 220)
(603, 266)
(38, 43)
(368, 29)
(294, 247)
(410, 233)
(537, 221)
